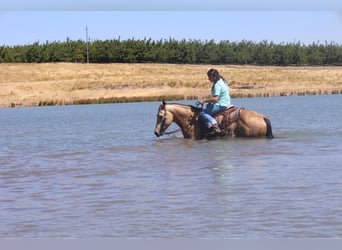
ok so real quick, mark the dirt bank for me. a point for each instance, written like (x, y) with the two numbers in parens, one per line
(71, 83)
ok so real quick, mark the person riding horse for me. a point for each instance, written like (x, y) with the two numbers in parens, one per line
(245, 123)
(218, 102)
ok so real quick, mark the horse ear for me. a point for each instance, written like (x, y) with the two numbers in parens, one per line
(163, 102)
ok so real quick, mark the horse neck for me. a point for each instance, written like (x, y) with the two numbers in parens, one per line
(182, 116)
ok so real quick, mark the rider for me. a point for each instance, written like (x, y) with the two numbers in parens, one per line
(218, 102)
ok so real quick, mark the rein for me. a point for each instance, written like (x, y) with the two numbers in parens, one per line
(172, 132)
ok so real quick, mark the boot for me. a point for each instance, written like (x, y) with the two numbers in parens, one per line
(215, 131)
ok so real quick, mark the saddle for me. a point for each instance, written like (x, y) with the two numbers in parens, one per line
(229, 115)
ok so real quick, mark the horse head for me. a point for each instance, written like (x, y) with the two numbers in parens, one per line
(164, 119)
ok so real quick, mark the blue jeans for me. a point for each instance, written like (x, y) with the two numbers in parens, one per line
(207, 113)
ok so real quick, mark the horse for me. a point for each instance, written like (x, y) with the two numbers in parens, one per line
(233, 121)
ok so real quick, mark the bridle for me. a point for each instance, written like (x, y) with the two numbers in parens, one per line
(162, 124)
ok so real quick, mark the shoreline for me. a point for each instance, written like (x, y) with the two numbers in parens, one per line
(23, 85)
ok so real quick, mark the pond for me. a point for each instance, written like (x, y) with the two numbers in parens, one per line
(95, 171)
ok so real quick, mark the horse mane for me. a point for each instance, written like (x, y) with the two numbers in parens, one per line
(195, 109)
(192, 107)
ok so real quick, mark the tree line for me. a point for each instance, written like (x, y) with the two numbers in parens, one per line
(174, 51)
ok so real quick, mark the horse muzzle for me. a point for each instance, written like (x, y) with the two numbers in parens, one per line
(158, 134)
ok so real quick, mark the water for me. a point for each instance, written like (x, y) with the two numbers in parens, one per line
(98, 171)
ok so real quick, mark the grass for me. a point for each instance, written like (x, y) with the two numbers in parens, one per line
(71, 83)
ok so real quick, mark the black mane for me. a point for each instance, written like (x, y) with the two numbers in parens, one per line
(193, 108)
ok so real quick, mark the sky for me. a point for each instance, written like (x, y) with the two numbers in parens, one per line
(306, 21)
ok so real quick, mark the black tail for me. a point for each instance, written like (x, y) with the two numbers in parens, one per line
(269, 133)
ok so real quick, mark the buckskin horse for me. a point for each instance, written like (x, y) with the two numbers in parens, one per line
(233, 121)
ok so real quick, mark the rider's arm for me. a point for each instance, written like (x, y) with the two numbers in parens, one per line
(210, 99)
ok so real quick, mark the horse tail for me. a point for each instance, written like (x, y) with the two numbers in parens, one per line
(269, 133)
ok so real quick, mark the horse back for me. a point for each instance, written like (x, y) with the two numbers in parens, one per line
(228, 116)
(243, 122)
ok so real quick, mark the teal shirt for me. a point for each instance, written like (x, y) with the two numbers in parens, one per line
(221, 90)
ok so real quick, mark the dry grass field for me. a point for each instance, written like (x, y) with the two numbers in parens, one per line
(71, 83)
